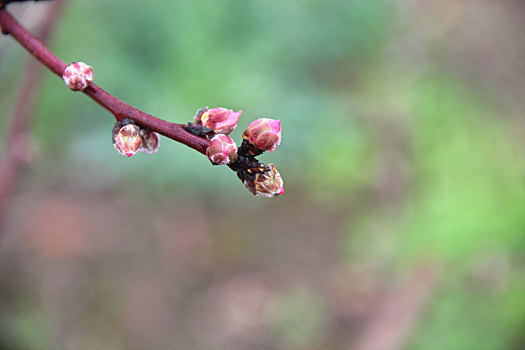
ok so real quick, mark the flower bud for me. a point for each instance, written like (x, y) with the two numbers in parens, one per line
(266, 184)
(264, 134)
(199, 114)
(150, 141)
(222, 150)
(220, 120)
(77, 76)
(127, 140)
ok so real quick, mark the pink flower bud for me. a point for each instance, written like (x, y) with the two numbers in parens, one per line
(266, 184)
(150, 141)
(264, 134)
(127, 140)
(77, 76)
(222, 150)
(220, 120)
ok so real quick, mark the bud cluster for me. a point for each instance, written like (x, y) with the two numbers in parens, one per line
(262, 135)
(129, 138)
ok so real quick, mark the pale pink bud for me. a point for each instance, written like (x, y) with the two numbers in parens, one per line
(266, 184)
(77, 76)
(264, 134)
(127, 140)
(150, 141)
(222, 150)
(220, 120)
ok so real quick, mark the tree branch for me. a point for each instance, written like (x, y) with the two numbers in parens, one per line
(177, 132)
(262, 134)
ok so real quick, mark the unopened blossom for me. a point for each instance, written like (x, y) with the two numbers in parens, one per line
(220, 120)
(77, 76)
(150, 141)
(266, 184)
(264, 134)
(127, 140)
(221, 150)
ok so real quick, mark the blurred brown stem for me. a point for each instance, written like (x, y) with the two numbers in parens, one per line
(397, 313)
(16, 145)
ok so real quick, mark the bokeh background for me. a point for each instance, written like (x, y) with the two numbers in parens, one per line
(403, 221)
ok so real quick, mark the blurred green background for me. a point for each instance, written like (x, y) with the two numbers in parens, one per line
(403, 221)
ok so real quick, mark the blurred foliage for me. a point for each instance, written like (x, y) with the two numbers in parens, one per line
(393, 141)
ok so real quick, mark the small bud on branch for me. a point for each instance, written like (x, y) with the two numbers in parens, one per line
(222, 150)
(266, 184)
(264, 134)
(220, 120)
(126, 137)
(150, 141)
(77, 76)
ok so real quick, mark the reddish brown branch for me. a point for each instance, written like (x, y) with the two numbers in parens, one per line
(118, 108)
